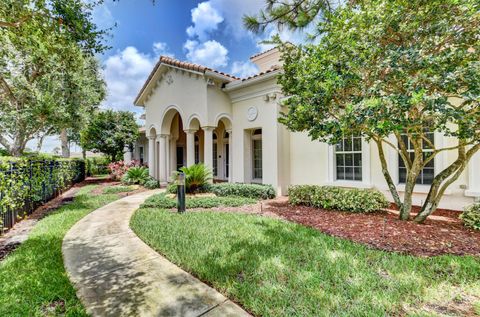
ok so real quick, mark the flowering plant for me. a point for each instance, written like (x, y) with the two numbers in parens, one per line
(118, 169)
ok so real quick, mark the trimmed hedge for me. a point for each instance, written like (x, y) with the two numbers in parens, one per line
(164, 202)
(330, 197)
(27, 182)
(471, 216)
(255, 191)
(244, 190)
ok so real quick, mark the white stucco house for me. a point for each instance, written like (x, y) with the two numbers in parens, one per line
(197, 114)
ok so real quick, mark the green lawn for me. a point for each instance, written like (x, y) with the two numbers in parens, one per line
(33, 281)
(277, 268)
(119, 189)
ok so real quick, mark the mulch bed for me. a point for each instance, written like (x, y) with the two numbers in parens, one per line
(384, 230)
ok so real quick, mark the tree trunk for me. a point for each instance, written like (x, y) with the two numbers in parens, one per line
(449, 175)
(386, 174)
(64, 140)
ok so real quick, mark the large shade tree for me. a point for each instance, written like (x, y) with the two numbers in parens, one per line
(48, 74)
(392, 71)
(110, 132)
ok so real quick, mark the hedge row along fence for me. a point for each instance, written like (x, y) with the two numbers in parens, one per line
(338, 198)
(26, 183)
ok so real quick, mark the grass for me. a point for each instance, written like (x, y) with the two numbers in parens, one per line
(119, 189)
(162, 201)
(278, 268)
(33, 281)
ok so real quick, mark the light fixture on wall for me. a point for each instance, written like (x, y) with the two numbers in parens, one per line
(266, 98)
(273, 96)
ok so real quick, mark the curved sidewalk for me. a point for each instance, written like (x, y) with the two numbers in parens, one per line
(117, 274)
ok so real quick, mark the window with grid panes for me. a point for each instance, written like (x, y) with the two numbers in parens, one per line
(428, 173)
(348, 159)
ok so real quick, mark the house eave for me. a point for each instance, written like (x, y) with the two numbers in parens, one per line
(252, 81)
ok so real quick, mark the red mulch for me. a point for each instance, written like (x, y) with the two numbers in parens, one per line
(384, 231)
(449, 213)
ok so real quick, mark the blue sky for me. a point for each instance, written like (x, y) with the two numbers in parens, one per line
(208, 32)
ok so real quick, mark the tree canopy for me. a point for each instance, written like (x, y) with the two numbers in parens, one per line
(49, 77)
(110, 132)
(392, 71)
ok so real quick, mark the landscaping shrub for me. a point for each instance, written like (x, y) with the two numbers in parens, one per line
(96, 166)
(255, 191)
(164, 202)
(330, 197)
(244, 190)
(151, 183)
(471, 216)
(118, 169)
(197, 177)
(136, 175)
(27, 182)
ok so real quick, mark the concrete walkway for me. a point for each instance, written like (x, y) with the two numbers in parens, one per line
(116, 274)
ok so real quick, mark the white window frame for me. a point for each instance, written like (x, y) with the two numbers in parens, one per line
(256, 137)
(332, 168)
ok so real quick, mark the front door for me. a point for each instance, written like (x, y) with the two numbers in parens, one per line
(179, 157)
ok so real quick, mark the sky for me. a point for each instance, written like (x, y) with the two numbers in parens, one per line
(209, 33)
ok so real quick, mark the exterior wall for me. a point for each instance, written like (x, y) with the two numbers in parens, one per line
(267, 60)
(309, 164)
(275, 141)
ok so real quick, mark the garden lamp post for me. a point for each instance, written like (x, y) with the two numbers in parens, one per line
(181, 192)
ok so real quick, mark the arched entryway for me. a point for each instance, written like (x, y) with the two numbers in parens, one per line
(181, 141)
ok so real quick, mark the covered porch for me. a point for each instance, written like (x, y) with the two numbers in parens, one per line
(175, 144)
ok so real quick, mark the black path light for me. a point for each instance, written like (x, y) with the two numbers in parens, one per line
(181, 192)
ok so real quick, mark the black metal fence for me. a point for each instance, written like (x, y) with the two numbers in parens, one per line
(32, 183)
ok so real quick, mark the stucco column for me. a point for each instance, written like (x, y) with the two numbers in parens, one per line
(230, 156)
(163, 155)
(128, 154)
(190, 147)
(151, 156)
(208, 147)
(173, 155)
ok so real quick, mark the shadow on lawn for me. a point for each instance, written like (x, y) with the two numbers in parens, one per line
(291, 267)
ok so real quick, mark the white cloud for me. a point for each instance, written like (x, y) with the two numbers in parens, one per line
(210, 53)
(244, 69)
(205, 19)
(161, 49)
(233, 12)
(125, 73)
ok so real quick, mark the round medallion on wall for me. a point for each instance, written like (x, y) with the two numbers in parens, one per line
(252, 113)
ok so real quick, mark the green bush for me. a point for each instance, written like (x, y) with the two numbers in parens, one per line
(118, 189)
(96, 166)
(255, 191)
(136, 175)
(330, 197)
(28, 181)
(197, 177)
(164, 202)
(471, 216)
(151, 183)
(243, 190)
